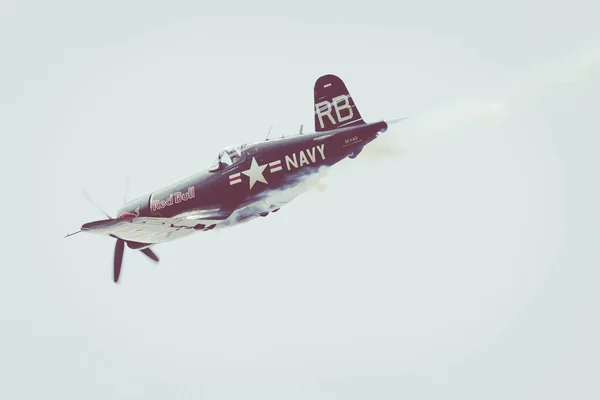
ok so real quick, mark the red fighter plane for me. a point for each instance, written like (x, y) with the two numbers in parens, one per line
(245, 181)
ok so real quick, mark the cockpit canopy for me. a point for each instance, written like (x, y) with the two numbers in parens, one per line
(227, 157)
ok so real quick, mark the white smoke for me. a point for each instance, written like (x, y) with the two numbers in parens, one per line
(465, 111)
(452, 117)
(311, 179)
(318, 180)
(458, 114)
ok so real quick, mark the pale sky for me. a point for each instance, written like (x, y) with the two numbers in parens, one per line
(456, 258)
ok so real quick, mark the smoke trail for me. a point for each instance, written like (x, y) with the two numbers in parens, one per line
(457, 115)
(573, 69)
(385, 146)
(301, 182)
(318, 180)
(452, 117)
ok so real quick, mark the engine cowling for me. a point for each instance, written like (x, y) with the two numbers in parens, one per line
(139, 207)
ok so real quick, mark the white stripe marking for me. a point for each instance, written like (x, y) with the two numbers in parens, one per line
(238, 180)
(276, 169)
(351, 122)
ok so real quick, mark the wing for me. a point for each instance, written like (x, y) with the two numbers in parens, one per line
(142, 229)
(158, 230)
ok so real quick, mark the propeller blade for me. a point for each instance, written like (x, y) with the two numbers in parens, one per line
(119, 248)
(127, 182)
(150, 254)
(89, 198)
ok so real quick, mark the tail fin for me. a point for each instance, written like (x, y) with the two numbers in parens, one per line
(334, 107)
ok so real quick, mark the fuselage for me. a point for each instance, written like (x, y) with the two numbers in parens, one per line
(259, 178)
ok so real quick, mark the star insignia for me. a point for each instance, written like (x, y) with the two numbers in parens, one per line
(255, 173)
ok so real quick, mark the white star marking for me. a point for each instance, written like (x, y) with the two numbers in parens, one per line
(255, 173)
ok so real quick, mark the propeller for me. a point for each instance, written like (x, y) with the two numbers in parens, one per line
(120, 245)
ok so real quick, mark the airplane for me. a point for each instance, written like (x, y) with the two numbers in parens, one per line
(244, 182)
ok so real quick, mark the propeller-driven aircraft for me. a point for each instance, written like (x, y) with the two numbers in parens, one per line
(244, 182)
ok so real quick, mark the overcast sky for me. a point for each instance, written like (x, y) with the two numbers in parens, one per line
(458, 257)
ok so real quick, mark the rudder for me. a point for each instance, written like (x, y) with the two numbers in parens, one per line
(333, 106)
